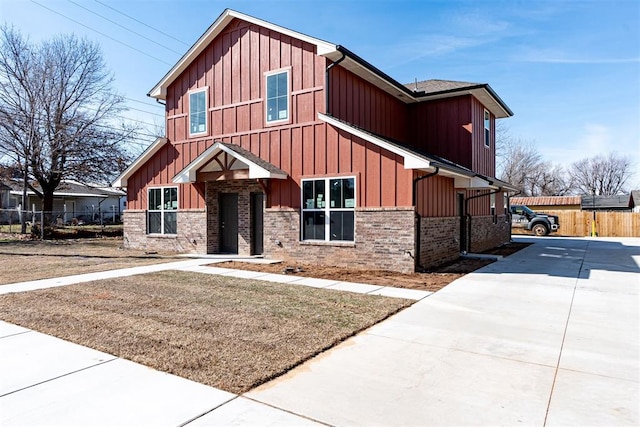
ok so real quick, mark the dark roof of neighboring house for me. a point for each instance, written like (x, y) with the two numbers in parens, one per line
(546, 201)
(71, 189)
(437, 86)
(622, 201)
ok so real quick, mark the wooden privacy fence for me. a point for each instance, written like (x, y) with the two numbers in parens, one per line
(608, 224)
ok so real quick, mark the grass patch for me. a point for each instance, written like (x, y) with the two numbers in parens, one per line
(33, 260)
(229, 333)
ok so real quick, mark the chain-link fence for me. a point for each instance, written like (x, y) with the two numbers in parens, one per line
(11, 220)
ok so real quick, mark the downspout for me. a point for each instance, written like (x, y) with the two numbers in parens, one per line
(327, 84)
(467, 215)
(416, 258)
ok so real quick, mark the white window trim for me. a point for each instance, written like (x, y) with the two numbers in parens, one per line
(486, 136)
(204, 89)
(162, 211)
(266, 100)
(327, 209)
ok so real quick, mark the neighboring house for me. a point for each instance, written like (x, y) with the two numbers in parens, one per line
(635, 200)
(72, 202)
(548, 203)
(281, 144)
(620, 203)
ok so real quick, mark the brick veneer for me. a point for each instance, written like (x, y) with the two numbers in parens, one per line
(439, 240)
(486, 235)
(384, 239)
(191, 237)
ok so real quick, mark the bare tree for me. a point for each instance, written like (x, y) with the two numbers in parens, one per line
(57, 106)
(522, 165)
(602, 175)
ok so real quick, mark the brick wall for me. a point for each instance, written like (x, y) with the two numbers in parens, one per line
(384, 239)
(439, 240)
(486, 235)
(191, 237)
(244, 188)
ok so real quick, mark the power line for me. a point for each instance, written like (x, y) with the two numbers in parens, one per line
(122, 26)
(102, 34)
(144, 103)
(142, 23)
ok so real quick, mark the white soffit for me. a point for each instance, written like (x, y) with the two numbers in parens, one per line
(189, 174)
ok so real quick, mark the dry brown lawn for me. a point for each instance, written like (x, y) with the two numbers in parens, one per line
(229, 333)
(32, 260)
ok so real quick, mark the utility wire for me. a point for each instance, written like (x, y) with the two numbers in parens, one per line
(122, 26)
(142, 23)
(102, 34)
(144, 103)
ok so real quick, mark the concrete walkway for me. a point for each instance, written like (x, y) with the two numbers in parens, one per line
(548, 336)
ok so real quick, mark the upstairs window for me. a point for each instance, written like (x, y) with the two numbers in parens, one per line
(277, 97)
(162, 213)
(328, 209)
(487, 129)
(198, 112)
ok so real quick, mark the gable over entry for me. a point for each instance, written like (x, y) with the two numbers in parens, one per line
(224, 161)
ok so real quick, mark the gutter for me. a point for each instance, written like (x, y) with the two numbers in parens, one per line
(467, 243)
(416, 258)
(327, 84)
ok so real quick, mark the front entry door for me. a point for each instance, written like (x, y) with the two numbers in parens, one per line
(228, 203)
(257, 223)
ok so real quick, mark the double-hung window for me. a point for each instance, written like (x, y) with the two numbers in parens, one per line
(487, 128)
(163, 208)
(198, 112)
(277, 105)
(328, 209)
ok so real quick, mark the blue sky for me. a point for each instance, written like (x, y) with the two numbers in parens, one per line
(569, 69)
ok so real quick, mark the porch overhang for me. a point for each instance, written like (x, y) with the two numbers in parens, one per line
(224, 161)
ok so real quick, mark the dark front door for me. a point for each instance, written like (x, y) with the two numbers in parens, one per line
(257, 223)
(463, 223)
(228, 223)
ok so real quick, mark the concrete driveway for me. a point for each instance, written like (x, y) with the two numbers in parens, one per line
(548, 336)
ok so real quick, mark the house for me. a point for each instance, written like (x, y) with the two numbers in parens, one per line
(620, 203)
(72, 202)
(549, 203)
(635, 200)
(281, 144)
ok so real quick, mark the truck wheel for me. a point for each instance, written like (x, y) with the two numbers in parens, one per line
(540, 230)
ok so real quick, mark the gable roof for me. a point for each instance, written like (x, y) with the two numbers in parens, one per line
(333, 52)
(258, 168)
(152, 149)
(547, 201)
(69, 188)
(622, 201)
(414, 159)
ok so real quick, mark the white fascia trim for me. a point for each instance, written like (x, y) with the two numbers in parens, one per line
(411, 161)
(121, 181)
(159, 91)
(472, 182)
(189, 174)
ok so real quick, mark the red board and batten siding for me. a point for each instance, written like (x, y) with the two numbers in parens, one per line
(484, 158)
(305, 147)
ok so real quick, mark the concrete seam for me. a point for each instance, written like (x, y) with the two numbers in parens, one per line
(189, 421)
(59, 376)
(564, 335)
(287, 411)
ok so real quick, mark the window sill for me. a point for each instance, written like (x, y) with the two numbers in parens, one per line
(162, 236)
(328, 243)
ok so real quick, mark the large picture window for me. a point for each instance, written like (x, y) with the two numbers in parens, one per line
(278, 97)
(328, 209)
(162, 213)
(198, 112)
